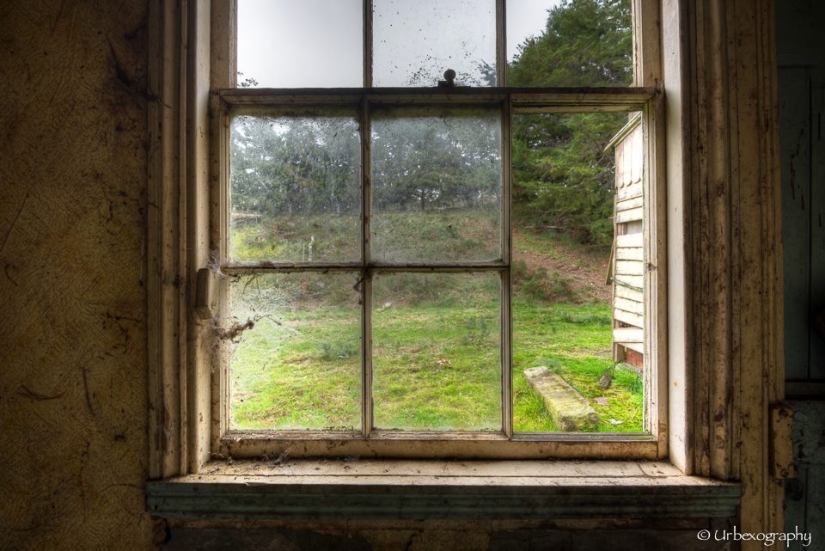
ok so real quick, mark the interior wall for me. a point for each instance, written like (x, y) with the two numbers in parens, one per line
(801, 68)
(73, 357)
(800, 47)
(73, 399)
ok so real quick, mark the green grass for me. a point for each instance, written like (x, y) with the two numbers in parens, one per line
(436, 355)
(575, 342)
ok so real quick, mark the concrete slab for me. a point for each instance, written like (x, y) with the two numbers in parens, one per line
(569, 410)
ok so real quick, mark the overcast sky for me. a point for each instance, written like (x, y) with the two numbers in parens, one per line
(290, 43)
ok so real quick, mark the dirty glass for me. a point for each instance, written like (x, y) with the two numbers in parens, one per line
(294, 188)
(436, 185)
(436, 351)
(414, 43)
(552, 43)
(295, 359)
(300, 44)
(577, 273)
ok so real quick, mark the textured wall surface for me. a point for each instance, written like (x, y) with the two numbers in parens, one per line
(73, 359)
(72, 331)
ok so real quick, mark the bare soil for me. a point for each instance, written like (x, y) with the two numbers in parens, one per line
(585, 267)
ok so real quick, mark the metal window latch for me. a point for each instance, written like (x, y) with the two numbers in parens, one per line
(205, 294)
(781, 442)
(449, 82)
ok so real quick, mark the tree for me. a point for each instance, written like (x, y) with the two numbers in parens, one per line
(295, 166)
(562, 173)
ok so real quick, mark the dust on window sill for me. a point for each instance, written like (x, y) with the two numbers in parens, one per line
(436, 489)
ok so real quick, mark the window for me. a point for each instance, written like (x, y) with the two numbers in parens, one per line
(377, 287)
(722, 348)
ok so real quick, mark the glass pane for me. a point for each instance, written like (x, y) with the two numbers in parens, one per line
(436, 351)
(304, 44)
(436, 185)
(577, 273)
(414, 43)
(552, 43)
(295, 188)
(296, 358)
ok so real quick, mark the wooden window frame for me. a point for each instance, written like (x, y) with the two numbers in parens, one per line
(371, 442)
(723, 262)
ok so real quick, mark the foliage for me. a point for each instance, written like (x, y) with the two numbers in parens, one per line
(295, 164)
(427, 158)
(537, 284)
(585, 43)
(562, 174)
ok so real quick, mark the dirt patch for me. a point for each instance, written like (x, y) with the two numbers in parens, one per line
(585, 268)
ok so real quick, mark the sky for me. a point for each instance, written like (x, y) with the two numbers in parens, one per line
(317, 43)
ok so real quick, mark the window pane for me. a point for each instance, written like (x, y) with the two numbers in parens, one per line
(415, 42)
(298, 363)
(553, 43)
(295, 188)
(300, 44)
(577, 273)
(436, 351)
(436, 185)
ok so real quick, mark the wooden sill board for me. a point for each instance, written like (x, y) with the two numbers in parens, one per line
(390, 489)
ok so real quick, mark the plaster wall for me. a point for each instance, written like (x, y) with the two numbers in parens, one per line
(73, 353)
(73, 329)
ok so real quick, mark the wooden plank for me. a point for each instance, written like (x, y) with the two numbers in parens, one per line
(635, 155)
(630, 191)
(630, 240)
(623, 335)
(629, 306)
(629, 215)
(634, 282)
(630, 203)
(794, 108)
(630, 267)
(635, 346)
(436, 489)
(630, 253)
(629, 293)
(629, 318)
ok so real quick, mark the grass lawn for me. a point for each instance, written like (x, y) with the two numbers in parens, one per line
(436, 345)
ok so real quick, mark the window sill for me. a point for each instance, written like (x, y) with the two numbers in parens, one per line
(394, 489)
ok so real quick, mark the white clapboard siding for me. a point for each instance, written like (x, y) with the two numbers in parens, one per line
(630, 240)
(629, 192)
(636, 295)
(631, 203)
(629, 306)
(623, 335)
(628, 258)
(628, 317)
(637, 346)
(629, 215)
(635, 282)
(630, 267)
(630, 253)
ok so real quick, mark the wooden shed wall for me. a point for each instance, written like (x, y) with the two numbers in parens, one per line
(628, 253)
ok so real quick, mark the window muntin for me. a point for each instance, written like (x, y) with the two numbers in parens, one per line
(521, 101)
